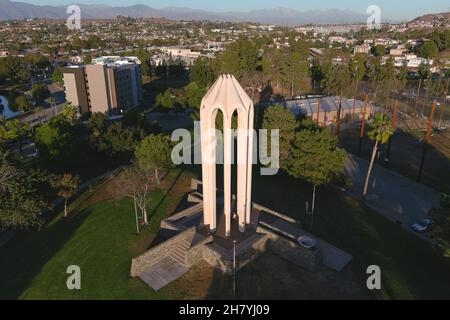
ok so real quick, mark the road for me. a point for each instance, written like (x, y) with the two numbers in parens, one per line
(46, 114)
(42, 116)
(396, 197)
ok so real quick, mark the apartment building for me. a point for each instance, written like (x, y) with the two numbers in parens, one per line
(109, 85)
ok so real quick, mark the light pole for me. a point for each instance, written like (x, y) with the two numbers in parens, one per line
(136, 215)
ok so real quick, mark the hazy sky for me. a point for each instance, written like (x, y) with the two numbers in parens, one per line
(392, 9)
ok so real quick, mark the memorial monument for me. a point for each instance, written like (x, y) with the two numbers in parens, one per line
(228, 97)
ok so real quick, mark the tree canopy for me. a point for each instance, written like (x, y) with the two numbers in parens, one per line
(428, 50)
(153, 153)
(14, 129)
(381, 128)
(202, 72)
(24, 195)
(315, 156)
(66, 186)
(239, 57)
(278, 117)
(40, 92)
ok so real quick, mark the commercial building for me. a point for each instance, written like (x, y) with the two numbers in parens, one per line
(184, 54)
(109, 85)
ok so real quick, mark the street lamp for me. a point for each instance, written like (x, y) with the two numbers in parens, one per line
(136, 215)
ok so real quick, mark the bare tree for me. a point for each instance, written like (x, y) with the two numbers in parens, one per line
(134, 184)
(254, 82)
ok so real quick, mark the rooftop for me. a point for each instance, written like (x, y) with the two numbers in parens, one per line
(116, 60)
(309, 106)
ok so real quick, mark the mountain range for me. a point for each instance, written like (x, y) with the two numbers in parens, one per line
(278, 16)
(443, 16)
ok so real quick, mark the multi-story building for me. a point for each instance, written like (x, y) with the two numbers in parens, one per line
(109, 85)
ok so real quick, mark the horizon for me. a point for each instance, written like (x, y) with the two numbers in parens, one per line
(396, 11)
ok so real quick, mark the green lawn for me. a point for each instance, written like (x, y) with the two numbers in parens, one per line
(100, 238)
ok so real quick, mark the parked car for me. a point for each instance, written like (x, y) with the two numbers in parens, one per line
(421, 226)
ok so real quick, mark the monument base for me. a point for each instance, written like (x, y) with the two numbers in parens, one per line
(219, 249)
(188, 242)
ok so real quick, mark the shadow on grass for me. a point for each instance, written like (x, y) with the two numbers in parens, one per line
(23, 257)
(154, 214)
(158, 206)
(410, 266)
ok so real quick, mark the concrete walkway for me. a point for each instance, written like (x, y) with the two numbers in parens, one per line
(333, 257)
(163, 272)
(394, 196)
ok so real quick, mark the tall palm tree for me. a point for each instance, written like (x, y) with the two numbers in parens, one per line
(381, 131)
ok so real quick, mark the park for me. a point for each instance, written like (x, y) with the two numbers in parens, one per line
(99, 235)
(315, 158)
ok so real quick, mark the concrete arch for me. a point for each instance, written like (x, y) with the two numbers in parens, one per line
(227, 96)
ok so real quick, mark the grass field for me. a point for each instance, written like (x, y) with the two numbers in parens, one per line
(100, 237)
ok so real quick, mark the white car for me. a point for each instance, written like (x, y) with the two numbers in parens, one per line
(421, 226)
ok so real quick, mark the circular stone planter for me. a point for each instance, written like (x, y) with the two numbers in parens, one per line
(306, 242)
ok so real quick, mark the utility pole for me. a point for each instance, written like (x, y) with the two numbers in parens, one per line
(363, 122)
(426, 97)
(417, 97)
(427, 140)
(338, 120)
(444, 100)
(354, 100)
(388, 95)
(318, 109)
(394, 125)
